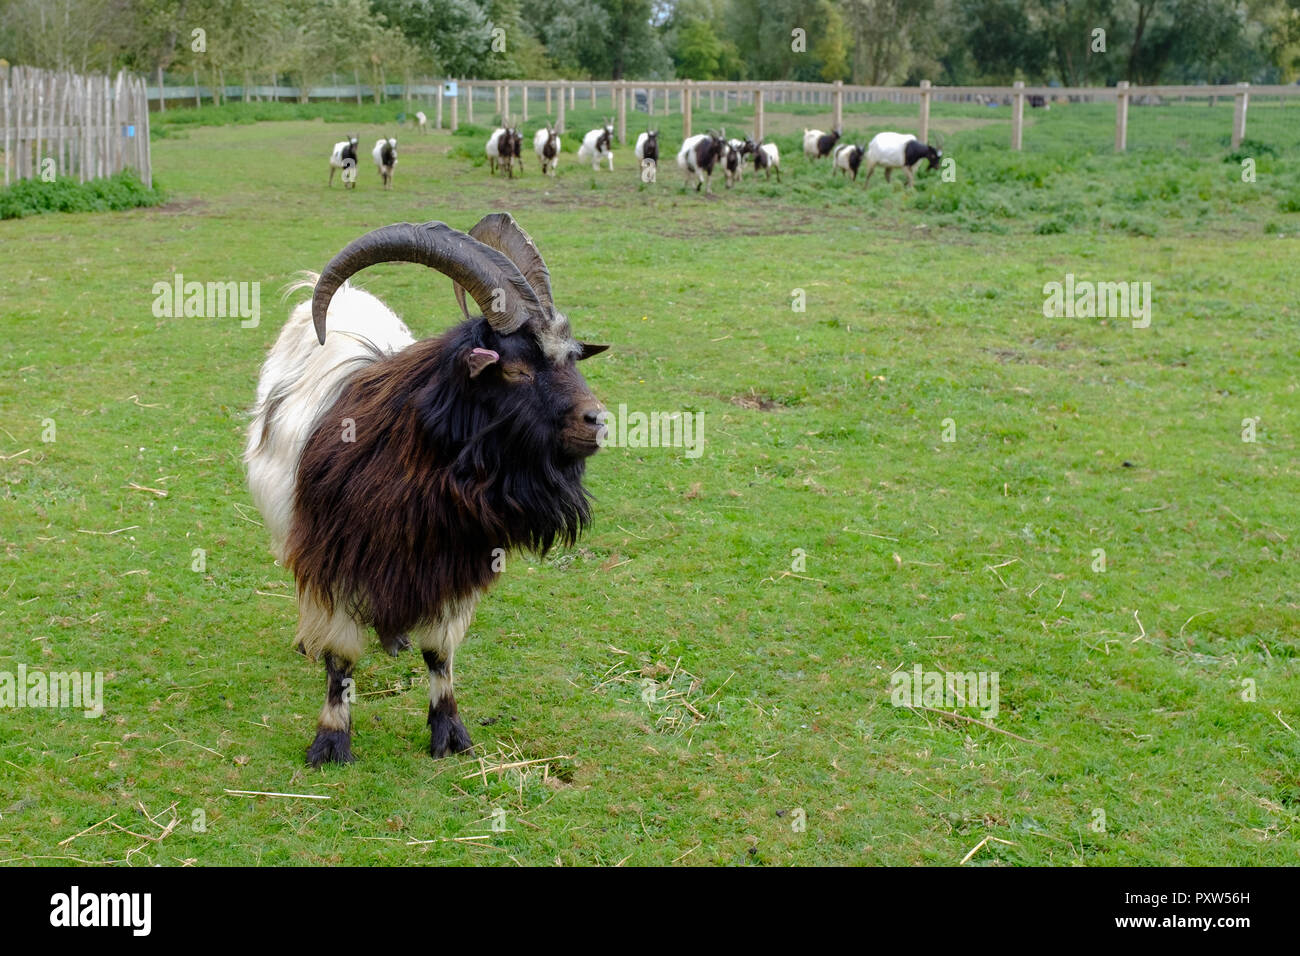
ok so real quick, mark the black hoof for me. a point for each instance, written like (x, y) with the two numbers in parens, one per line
(395, 645)
(330, 746)
(447, 735)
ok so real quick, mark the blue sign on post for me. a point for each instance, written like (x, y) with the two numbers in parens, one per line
(450, 89)
(130, 132)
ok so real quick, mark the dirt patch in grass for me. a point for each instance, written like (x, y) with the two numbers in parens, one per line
(754, 401)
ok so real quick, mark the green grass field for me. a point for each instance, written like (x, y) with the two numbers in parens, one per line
(705, 679)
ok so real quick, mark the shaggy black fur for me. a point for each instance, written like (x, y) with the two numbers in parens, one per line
(444, 469)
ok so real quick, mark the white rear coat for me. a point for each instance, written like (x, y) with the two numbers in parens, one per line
(588, 153)
(300, 381)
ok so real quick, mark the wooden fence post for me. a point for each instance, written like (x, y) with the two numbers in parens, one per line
(593, 96)
(686, 109)
(469, 102)
(621, 96)
(437, 121)
(524, 108)
(455, 111)
(148, 147)
(1239, 114)
(838, 99)
(1018, 115)
(923, 134)
(1121, 116)
(573, 92)
(559, 121)
(505, 102)
(757, 97)
(4, 101)
(548, 99)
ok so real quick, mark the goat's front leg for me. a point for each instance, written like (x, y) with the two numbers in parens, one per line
(333, 743)
(336, 637)
(438, 643)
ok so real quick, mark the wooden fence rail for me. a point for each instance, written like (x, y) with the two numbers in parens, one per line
(554, 98)
(62, 124)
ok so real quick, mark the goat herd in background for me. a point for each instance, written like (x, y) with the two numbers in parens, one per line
(698, 158)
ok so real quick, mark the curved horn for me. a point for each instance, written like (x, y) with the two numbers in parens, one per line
(500, 231)
(469, 263)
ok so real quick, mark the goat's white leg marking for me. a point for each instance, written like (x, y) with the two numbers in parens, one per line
(438, 643)
(335, 636)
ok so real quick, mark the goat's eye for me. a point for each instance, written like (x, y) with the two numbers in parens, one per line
(516, 374)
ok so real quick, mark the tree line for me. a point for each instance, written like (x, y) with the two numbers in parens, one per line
(878, 42)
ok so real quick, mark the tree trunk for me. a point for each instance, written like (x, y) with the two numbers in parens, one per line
(1144, 10)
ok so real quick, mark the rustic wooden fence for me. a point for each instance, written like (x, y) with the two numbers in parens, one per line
(553, 98)
(61, 124)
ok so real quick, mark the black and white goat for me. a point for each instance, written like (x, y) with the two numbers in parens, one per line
(393, 475)
(768, 159)
(546, 144)
(697, 157)
(503, 148)
(385, 156)
(598, 144)
(848, 157)
(899, 151)
(817, 144)
(344, 157)
(733, 162)
(647, 146)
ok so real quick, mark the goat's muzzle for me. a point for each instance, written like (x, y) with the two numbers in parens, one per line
(584, 431)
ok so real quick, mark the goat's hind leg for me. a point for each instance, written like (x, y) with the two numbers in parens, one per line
(438, 643)
(395, 644)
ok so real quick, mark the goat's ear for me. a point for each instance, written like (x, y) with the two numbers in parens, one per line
(588, 350)
(479, 359)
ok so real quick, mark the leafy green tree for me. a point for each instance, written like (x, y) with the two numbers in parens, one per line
(699, 52)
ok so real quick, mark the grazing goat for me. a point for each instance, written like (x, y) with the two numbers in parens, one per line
(817, 144)
(421, 121)
(504, 147)
(598, 145)
(546, 144)
(899, 151)
(647, 147)
(344, 157)
(697, 157)
(848, 158)
(385, 155)
(767, 158)
(394, 475)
